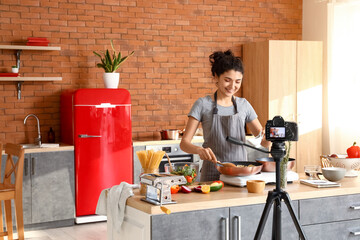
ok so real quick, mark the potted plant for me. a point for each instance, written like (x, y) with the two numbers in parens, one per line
(110, 63)
(14, 69)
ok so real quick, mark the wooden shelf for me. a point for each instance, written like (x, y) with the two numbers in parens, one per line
(23, 47)
(24, 79)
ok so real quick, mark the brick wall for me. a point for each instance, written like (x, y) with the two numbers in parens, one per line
(172, 40)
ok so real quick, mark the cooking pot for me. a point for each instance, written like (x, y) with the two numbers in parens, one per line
(240, 171)
(170, 134)
(269, 165)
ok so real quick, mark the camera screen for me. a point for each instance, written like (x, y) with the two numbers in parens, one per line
(277, 132)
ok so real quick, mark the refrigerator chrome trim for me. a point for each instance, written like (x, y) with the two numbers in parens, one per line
(102, 106)
(88, 136)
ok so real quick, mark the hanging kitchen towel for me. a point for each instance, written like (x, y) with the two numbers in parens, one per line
(112, 203)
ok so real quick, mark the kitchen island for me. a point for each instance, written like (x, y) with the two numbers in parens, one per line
(233, 213)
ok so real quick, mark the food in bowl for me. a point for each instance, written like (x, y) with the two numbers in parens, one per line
(187, 169)
(248, 168)
(333, 174)
(350, 164)
(269, 165)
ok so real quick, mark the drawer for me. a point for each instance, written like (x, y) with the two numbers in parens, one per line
(336, 230)
(329, 209)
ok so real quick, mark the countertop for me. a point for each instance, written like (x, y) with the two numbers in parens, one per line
(231, 196)
(154, 141)
(63, 147)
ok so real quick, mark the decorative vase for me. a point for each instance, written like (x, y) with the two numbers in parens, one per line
(283, 174)
(111, 80)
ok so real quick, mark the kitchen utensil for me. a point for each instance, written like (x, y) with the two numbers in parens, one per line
(333, 174)
(158, 187)
(269, 164)
(170, 165)
(350, 164)
(227, 164)
(170, 134)
(242, 168)
(255, 186)
(312, 171)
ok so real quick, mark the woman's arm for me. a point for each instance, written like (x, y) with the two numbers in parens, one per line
(256, 128)
(187, 146)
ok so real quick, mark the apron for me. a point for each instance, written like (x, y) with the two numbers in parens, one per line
(223, 126)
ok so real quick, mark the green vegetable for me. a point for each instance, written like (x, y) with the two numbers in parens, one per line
(185, 171)
(216, 186)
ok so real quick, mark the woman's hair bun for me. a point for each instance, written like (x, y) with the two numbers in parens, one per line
(225, 61)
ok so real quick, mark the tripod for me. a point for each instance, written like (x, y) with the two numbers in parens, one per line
(274, 197)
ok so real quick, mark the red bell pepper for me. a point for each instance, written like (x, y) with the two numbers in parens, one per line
(353, 151)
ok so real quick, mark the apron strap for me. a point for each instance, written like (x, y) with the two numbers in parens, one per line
(215, 111)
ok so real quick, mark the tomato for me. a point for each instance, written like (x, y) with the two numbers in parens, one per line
(175, 189)
(189, 179)
(353, 151)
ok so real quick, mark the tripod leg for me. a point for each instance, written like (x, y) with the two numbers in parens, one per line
(269, 201)
(276, 228)
(290, 207)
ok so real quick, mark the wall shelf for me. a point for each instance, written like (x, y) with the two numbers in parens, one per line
(23, 47)
(20, 80)
(24, 79)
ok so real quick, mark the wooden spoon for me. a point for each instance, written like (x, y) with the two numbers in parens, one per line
(226, 164)
(171, 168)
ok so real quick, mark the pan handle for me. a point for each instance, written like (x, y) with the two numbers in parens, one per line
(238, 142)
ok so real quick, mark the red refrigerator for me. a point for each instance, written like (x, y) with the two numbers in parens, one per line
(98, 123)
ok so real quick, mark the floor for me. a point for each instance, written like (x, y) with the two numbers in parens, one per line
(88, 231)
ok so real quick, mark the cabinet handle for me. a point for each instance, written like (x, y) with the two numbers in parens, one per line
(226, 228)
(355, 207)
(354, 233)
(239, 226)
(33, 166)
(26, 168)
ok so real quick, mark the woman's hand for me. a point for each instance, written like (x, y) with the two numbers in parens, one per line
(207, 154)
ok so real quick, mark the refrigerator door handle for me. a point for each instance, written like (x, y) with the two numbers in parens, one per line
(88, 136)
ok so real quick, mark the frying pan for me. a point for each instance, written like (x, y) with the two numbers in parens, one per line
(269, 164)
(240, 171)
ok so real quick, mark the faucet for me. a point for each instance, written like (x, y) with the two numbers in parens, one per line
(38, 139)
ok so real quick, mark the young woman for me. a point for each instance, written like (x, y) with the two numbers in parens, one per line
(221, 115)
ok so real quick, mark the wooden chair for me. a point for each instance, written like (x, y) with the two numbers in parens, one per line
(10, 191)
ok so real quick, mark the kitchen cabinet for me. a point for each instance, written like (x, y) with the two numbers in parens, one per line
(285, 78)
(48, 189)
(339, 218)
(216, 224)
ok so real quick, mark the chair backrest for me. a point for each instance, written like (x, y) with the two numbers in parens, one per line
(11, 168)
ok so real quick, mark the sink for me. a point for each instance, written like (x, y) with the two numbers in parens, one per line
(44, 145)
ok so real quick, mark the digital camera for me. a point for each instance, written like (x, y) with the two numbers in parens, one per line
(279, 130)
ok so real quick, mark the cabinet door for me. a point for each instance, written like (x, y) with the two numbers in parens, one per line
(53, 195)
(193, 225)
(250, 217)
(309, 102)
(335, 230)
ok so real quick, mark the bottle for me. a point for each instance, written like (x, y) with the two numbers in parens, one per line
(51, 136)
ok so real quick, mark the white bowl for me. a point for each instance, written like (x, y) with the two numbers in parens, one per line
(348, 163)
(333, 174)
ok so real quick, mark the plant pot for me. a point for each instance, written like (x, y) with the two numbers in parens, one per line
(14, 69)
(111, 80)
